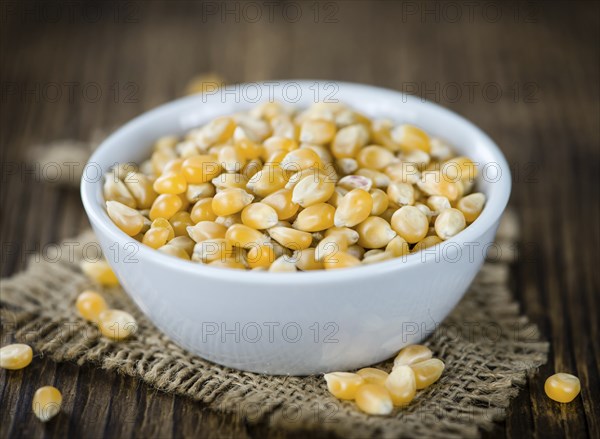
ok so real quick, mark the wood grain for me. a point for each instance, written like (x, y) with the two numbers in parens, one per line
(541, 56)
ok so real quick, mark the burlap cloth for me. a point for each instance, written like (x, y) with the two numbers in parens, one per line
(488, 348)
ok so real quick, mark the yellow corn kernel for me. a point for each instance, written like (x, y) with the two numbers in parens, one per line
(372, 375)
(165, 142)
(180, 222)
(249, 148)
(402, 194)
(356, 250)
(261, 256)
(471, 206)
(228, 181)
(183, 242)
(381, 130)
(317, 131)
(403, 172)
(214, 249)
(160, 158)
(196, 192)
(398, 247)
(230, 220)
(315, 218)
(374, 399)
(375, 157)
(427, 372)
(340, 260)
(373, 258)
(325, 157)
(100, 272)
(46, 403)
(231, 158)
(459, 168)
(283, 264)
(343, 385)
(437, 203)
(428, 241)
(268, 180)
(410, 223)
(449, 223)
(230, 201)
(402, 385)
(115, 189)
(156, 237)
(284, 127)
(412, 354)
(313, 189)
(125, 218)
(203, 211)
(350, 235)
(291, 238)
(418, 158)
(562, 387)
(204, 230)
(378, 179)
(349, 140)
(306, 260)
(116, 324)
(346, 165)
(90, 304)
(246, 237)
(15, 356)
(173, 250)
(277, 144)
(228, 263)
(140, 187)
(374, 232)
(353, 208)
(200, 169)
(216, 131)
(330, 245)
(350, 182)
(276, 158)
(434, 183)
(380, 202)
(170, 183)
(409, 137)
(165, 206)
(300, 159)
(259, 216)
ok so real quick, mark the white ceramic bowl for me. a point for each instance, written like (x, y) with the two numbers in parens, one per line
(298, 323)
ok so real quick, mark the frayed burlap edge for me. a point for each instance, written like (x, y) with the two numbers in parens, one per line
(488, 348)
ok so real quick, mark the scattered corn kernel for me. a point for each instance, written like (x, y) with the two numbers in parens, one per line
(46, 404)
(374, 399)
(100, 272)
(343, 385)
(116, 324)
(90, 304)
(427, 372)
(412, 354)
(562, 387)
(372, 375)
(15, 356)
(402, 385)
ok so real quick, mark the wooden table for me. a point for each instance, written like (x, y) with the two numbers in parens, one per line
(527, 73)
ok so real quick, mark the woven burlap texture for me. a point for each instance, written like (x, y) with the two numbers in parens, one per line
(488, 348)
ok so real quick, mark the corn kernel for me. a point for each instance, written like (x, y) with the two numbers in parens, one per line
(459, 168)
(340, 260)
(259, 216)
(349, 140)
(343, 385)
(381, 132)
(312, 189)
(291, 238)
(356, 250)
(261, 256)
(170, 183)
(214, 249)
(412, 354)
(230, 201)
(231, 158)
(230, 180)
(156, 237)
(100, 272)
(281, 201)
(434, 183)
(316, 218)
(374, 399)
(203, 211)
(229, 220)
(317, 131)
(246, 237)
(410, 223)
(306, 260)
(438, 203)
(427, 372)
(350, 182)
(196, 192)
(374, 232)
(330, 245)
(180, 222)
(90, 304)
(353, 208)
(141, 188)
(200, 169)
(449, 223)
(165, 206)
(227, 263)
(403, 172)
(283, 264)
(402, 194)
(372, 375)
(380, 201)
(268, 180)
(185, 243)
(206, 230)
(46, 403)
(15, 356)
(300, 159)
(471, 206)
(402, 385)
(125, 218)
(116, 324)
(381, 256)
(410, 138)
(428, 241)
(378, 179)
(374, 157)
(114, 189)
(398, 247)
(562, 387)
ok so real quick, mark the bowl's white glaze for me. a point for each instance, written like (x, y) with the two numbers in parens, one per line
(298, 323)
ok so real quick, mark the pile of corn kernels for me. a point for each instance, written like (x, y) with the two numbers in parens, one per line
(275, 190)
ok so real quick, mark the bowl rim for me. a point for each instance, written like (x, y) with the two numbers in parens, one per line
(491, 213)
